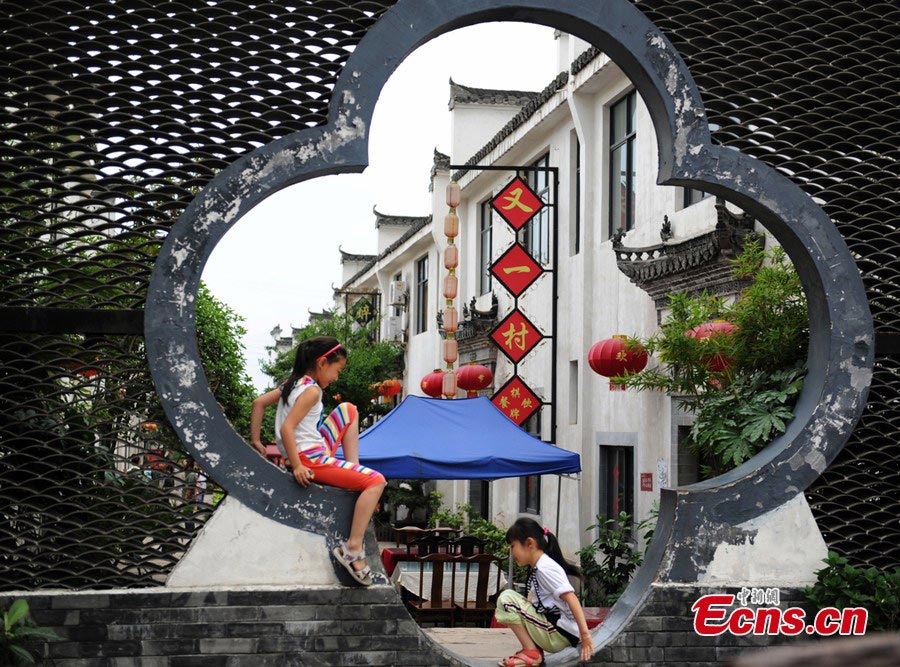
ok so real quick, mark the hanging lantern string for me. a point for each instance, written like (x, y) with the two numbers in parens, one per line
(451, 285)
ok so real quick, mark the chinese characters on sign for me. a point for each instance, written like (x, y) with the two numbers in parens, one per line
(516, 400)
(363, 312)
(517, 203)
(516, 270)
(516, 336)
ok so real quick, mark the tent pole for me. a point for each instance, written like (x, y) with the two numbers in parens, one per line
(558, 497)
(511, 573)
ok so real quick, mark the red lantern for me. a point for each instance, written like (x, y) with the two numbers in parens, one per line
(389, 388)
(613, 357)
(703, 333)
(432, 384)
(473, 378)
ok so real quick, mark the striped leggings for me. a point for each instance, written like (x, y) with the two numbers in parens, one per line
(513, 609)
(333, 471)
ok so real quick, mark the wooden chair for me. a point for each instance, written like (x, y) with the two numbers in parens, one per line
(479, 608)
(467, 545)
(429, 544)
(437, 607)
(407, 533)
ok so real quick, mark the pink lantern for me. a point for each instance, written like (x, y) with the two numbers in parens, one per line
(451, 225)
(449, 384)
(451, 257)
(453, 194)
(451, 319)
(451, 285)
(451, 351)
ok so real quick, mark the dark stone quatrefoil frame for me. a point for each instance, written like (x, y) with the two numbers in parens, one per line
(693, 520)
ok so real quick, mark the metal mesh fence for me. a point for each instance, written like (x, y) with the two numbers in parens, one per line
(116, 113)
(812, 88)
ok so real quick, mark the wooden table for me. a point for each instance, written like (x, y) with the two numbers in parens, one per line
(409, 533)
(406, 575)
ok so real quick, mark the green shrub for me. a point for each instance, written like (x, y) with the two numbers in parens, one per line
(740, 408)
(606, 580)
(842, 585)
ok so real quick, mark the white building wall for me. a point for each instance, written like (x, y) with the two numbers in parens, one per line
(595, 299)
(473, 125)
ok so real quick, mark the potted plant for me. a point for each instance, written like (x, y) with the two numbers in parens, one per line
(608, 563)
(20, 636)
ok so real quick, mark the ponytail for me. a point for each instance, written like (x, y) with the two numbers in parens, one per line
(308, 353)
(546, 541)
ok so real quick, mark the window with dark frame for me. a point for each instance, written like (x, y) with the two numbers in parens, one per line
(397, 307)
(622, 175)
(536, 234)
(616, 481)
(577, 207)
(485, 240)
(530, 486)
(422, 295)
(480, 497)
(692, 196)
(577, 195)
(692, 466)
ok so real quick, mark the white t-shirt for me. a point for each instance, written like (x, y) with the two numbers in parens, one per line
(307, 431)
(550, 583)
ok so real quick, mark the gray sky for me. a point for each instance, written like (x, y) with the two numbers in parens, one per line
(282, 259)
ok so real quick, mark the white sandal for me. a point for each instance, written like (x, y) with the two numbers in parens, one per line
(345, 557)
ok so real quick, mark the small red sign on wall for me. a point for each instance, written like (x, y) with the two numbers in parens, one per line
(646, 481)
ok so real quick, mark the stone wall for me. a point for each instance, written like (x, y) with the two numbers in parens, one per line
(330, 627)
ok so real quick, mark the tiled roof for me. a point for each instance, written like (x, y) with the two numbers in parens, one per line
(524, 114)
(408, 234)
(402, 220)
(582, 61)
(460, 94)
(350, 257)
(441, 161)
(529, 107)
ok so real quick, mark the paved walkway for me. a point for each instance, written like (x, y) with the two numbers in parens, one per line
(476, 643)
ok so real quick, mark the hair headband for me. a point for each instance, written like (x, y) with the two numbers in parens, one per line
(334, 349)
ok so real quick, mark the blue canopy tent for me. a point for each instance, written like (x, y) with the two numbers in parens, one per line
(427, 438)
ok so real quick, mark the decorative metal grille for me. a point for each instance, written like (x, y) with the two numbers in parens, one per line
(117, 112)
(813, 89)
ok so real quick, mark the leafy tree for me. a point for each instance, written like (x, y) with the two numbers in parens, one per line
(368, 362)
(219, 333)
(741, 407)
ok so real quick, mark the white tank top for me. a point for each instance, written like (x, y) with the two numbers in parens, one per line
(307, 431)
